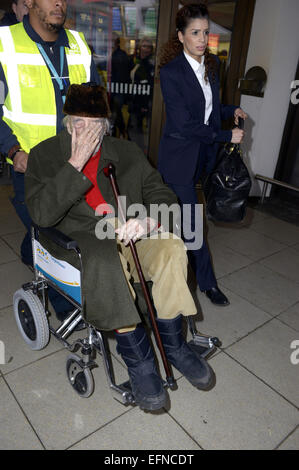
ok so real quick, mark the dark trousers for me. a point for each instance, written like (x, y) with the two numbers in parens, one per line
(60, 304)
(18, 202)
(200, 259)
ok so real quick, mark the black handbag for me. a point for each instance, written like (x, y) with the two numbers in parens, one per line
(227, 187)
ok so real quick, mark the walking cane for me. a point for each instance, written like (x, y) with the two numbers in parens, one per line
(109, 171)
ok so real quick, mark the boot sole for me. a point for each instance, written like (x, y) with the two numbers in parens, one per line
(206, 387)
(153, 405)
(212, 381)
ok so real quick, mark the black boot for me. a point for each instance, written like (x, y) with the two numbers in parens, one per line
(147, 385)
(182, 357)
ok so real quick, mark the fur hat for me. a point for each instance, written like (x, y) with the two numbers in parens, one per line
(87, 100)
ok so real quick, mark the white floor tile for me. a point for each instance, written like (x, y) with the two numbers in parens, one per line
(267, 353)
(226, 260)
(14, 240)
(15, 433)
(286, 262)
(12, 276)
(10, 223)
(232, 322)
(215, 229)
(291, 317)
(221, 228)
(59, 416)
(6, 191)
(6, 254)
(278, 230)
(263, 287)
(17, 352)
(143, 431)
(292, 442)
(239, 413)
(249, 243)
(254, 216)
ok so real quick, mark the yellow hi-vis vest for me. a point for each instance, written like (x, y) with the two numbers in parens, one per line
(30, 108)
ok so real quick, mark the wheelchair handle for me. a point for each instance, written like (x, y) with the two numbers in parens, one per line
(110, 173)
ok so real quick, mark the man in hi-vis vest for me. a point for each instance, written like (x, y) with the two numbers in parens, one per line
(39, 59)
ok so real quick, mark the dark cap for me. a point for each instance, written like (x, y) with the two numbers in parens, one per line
(87, 100)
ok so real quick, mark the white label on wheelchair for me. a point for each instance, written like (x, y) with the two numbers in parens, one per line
(63, 274)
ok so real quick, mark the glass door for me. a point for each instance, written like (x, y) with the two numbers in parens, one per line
(122, 36)
(221, 27)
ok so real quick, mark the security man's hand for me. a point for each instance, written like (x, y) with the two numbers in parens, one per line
(20, 161)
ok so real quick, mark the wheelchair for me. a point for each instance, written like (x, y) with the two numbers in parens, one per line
(32, 316)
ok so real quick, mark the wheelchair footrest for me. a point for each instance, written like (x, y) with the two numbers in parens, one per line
(203, 350)
(123, 393)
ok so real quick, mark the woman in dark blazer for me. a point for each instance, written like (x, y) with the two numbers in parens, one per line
(192, 133)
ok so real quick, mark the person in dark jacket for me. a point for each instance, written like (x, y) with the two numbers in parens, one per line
(66, 188)
(192, 132)
(120, 78)
(19, 10)
(142, 71)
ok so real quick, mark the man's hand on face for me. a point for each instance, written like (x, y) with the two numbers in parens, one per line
(84, 143)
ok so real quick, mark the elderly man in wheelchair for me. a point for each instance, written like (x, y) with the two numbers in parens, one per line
(66, 188)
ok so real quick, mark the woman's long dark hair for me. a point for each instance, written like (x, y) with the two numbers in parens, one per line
(174, 47)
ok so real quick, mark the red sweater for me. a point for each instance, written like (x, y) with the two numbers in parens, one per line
(94, 196)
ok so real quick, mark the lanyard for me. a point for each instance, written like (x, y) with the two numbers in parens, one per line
(61, 81)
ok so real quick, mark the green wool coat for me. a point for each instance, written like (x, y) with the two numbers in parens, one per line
(54, 192)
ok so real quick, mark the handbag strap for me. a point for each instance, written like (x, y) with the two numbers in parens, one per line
(241, 123)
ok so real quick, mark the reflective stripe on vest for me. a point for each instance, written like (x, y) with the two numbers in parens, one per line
(30, 107)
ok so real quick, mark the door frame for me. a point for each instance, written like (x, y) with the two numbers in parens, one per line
(243, 18)
(166, 28)
(289, 148)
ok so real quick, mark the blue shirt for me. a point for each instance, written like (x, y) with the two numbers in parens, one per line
(7, 138)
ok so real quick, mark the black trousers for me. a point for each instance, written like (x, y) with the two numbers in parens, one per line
(199, 259)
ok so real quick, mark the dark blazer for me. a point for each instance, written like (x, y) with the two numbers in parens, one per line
(187, 144)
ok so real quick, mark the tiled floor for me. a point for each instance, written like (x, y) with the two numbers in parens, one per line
(254, 404)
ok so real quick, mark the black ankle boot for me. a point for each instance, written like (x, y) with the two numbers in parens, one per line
(147, 385)
(182, 357)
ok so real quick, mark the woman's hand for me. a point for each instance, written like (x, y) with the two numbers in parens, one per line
(237, 136)
(239, 113)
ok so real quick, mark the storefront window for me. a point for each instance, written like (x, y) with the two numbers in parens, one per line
(122, 37)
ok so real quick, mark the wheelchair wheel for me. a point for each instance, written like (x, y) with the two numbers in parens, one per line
(80, 379)
(31, 319)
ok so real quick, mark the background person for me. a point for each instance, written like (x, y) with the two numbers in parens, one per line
(192, 131)
(120, 76)
(19, 9)
(142, 71)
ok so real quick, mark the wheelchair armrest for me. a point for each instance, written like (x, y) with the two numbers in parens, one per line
(57, 237)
